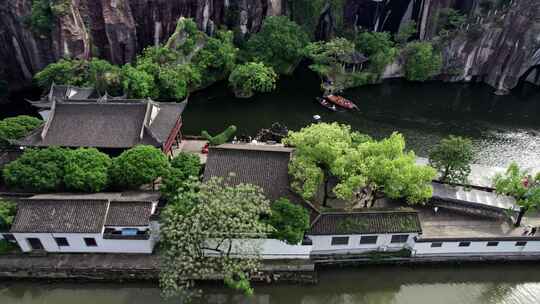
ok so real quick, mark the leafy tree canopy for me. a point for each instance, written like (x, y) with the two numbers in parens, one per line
(452, 157)
(290, 221)
(406, 32)
(422, 61)
(449, 19)
(520, 184)
(13, 128)
(379, 47)
(183, 167)
(246, 79)
(38, 170)
(87, 170)
(96, 73)
(279, 44)
(357, 161)
(7, 214)
(197, 236)
(325, 54)
(138, 166)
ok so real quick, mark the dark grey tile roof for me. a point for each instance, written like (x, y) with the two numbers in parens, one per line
(129, 214)
(263, 166)
(366, 223)
(60, 216)
(105, 125)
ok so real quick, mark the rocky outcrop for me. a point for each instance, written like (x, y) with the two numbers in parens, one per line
(112, 29)
(500, 47)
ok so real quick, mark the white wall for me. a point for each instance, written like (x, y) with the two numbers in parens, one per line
(268, 249)
(323, 243)
(476, 247)
(76, 243)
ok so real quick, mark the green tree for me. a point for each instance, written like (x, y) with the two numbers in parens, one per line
(14, 128)
(205, 229)
(359, 163)
(138, 166)
(290, 221)
(325, 54)
(278, 44)
(246, 79)
(41, 17)
(406, 32)
(104, 77)
(65, 71)
(520, 184)
(422, 61)
(379, 47)
(37, 170)
(217, 58)
(87, 170)
(449, 20)
(183, 167)
(452, 157)
(138, 83)
(7, 214)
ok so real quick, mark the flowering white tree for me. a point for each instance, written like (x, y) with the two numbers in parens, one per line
(200, 233)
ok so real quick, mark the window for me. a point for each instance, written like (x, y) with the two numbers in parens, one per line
(61, 242)
(399, 238)
(464, 244)
(436, 244)
(9, 237)
(130, 231)
(90, 242)
(521, 244)
(492, 244)
(369, 239)
(340, 240)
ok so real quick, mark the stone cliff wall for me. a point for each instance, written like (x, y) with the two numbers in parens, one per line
(499, 49)
(113, 29)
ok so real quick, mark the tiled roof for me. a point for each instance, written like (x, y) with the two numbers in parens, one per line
(263, 166)
(129, 214)
(366, 223)
(106, 125)
(60, 216)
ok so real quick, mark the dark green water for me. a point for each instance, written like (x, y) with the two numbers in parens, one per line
(492, 284)
(503, 128)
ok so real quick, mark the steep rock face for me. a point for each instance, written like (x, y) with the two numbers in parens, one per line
(500, 48)
(112, 29)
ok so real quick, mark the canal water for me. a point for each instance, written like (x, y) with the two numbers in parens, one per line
(503, 128)
(461, 284)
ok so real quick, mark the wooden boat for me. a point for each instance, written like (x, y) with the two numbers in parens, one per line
(342, 102)
(323, 102)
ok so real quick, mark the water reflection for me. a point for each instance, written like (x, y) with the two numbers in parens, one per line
(461, 284)
(503, 128)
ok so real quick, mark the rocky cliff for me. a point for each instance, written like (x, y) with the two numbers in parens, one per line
(499, 47)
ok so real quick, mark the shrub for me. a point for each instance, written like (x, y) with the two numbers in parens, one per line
(17, 127)
(278, 44)
(422, 61)
(7, 214)
(87, 170)
(138, 166)
(37, 170)
(252, 77)
(379, 47)
(221, 138)
(290, 221)
(183, 166)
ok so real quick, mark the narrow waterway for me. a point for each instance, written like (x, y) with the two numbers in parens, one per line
(503, 128)
(465, 284)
